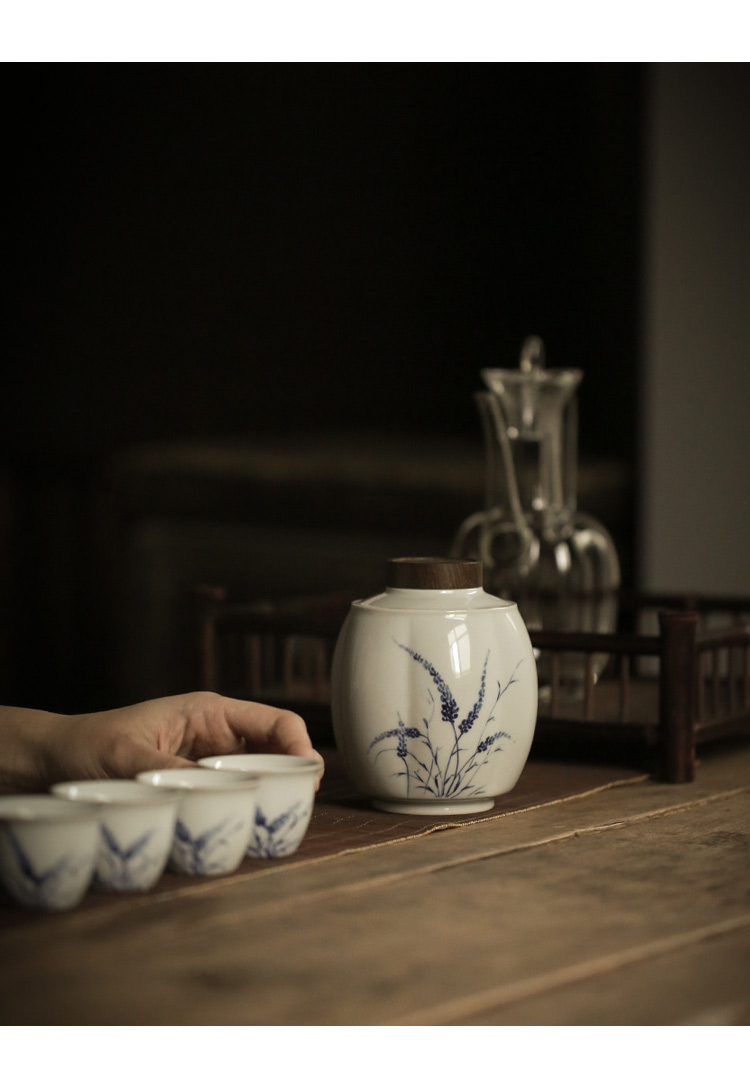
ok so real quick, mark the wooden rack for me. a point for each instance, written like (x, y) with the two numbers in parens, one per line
(663, 692)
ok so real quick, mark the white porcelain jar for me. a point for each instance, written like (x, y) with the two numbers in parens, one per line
(434, 690)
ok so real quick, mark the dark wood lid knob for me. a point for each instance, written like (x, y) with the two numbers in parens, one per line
(433, 573)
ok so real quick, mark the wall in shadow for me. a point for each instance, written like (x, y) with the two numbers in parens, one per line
(694, 511)
(234, 248)
(243, 250)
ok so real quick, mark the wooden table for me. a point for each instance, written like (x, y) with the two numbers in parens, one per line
(592, 895)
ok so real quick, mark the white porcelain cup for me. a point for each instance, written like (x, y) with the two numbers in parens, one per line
(48, 850)
(285, 799)
(215, 817)
(136, 825)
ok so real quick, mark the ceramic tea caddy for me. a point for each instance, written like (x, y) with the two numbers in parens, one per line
(434, 690)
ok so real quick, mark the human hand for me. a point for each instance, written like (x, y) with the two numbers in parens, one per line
(160, 734)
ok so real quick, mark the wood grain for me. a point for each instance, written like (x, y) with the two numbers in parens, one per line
(629, 905)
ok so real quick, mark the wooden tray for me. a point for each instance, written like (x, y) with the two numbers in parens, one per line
(678, 678)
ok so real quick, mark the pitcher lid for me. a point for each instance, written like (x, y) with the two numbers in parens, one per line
(532, 371)
(433, 573)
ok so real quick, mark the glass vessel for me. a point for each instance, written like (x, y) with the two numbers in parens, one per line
(558, 564)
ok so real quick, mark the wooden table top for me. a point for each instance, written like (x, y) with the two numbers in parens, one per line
(591, 895)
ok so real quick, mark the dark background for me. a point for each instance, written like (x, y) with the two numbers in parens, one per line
(242, 250)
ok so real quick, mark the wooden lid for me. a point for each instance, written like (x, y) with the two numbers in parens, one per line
(433, 573)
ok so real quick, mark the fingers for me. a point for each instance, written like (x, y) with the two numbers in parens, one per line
(286, 732)
(173, 732)
(289, 733)
(266, 728)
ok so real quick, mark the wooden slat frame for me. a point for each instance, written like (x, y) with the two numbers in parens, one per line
(695, 703)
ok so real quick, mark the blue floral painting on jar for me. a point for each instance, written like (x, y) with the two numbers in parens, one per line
(443, 756)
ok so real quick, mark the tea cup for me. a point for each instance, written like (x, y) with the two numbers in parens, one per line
(136, 826)
(48, 850)
(285, 798)
(215, 817)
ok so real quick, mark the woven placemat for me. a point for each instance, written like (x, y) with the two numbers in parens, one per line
(344, 820)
